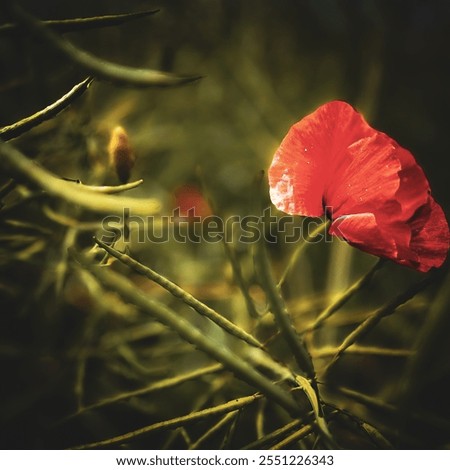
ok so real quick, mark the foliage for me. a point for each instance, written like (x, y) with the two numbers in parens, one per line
(204, 345)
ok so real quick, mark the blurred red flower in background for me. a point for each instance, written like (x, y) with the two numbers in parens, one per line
(190, 202)
(375, 193)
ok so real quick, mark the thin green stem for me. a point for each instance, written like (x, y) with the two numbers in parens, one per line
(9, 186)
(239, 278)
(99, 68)
(24, 125)
(228, 407)
(230, 253)
(378, 404)
(299, 250)
(430, 357)
(373, 319)
(195, 336)
(84, 24)
(259, 420)
(180, 293)
(112, 189)
(63, 219)
(346, 296)
(281, 314)
(275, 436)
(214, 429)
(294, 437)
(293, 340)
(154, 387)
(24, 169)
(362, 351)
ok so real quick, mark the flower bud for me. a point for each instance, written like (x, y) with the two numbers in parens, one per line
(121, 154)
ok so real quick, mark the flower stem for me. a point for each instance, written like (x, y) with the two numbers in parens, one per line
(299, 250)
(373, 319)
(185, 296)
(24, 125)
(276, 436)
(232, 415)
(294, 437)
(84, 24)
(99, 68)
(281, 314)
(293, 340)
(163, 384)
(345, 297)
(193, 335)
(22, 168)
(228, 407)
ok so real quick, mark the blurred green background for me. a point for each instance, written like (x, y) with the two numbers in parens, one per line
(265, 64)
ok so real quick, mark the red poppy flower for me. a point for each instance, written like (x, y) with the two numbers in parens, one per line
(375, 193)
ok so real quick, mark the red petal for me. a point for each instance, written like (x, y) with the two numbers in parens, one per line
(333, 156)
(363, 232)
(414, 188)
(430, 238)
(367, 176)
(377, 195)
(313, 150)
(420, 243)
(296, 178)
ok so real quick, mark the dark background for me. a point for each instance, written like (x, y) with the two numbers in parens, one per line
(265, 64)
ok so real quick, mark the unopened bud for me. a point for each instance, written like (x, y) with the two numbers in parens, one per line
(121, 155)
